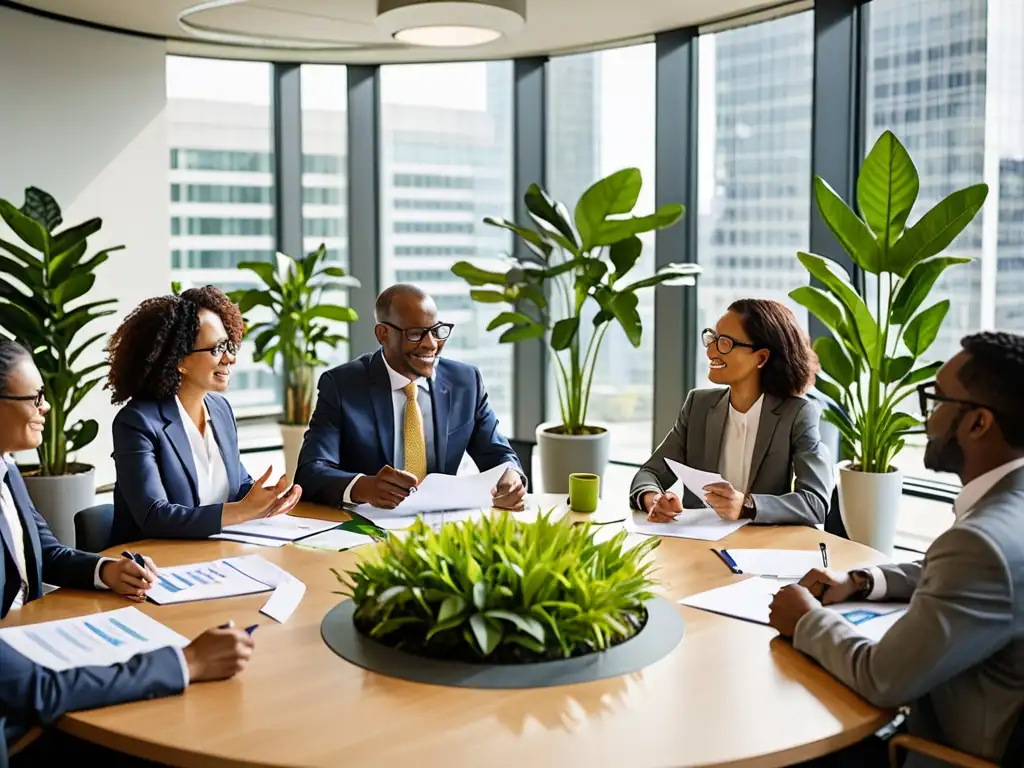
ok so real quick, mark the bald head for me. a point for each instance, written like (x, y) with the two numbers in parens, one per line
(398, 301)
(405, 317)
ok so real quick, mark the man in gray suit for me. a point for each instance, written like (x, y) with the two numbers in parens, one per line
(957, 656)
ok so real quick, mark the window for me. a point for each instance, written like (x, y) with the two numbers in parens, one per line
(449, 115)
(220, 134)
(957, 136)
(754, 168)
(600, 120)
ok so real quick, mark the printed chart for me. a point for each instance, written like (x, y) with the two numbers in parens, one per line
(203, 581)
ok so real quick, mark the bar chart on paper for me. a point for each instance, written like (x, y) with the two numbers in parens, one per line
(203, 581)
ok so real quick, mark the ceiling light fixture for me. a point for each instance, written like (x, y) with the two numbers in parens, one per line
(450, 23)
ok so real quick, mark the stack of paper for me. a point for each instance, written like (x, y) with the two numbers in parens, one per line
(336, 540)
(282, 528)
(776, 563)
(100, 639)
(703, 524)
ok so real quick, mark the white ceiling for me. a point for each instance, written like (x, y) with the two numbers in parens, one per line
(347, 32)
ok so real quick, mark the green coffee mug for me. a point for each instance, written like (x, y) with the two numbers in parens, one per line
(584, 491)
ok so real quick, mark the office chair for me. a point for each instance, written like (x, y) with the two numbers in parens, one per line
(93, 526)
(31, 735)
(1013, 757)
(524, 450)
(834, 518)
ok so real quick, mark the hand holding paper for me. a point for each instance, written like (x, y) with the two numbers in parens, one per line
(694, 479)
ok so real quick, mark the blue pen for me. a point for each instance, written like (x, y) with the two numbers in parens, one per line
(824, 555)
(727, 559)
(248, 630)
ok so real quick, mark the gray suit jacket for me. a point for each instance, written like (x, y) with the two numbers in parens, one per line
(958, 653)
(788, 444)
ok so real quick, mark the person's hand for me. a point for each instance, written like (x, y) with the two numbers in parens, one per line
(385, 490)
(128, 578)
(725, 500)
(260, 501)
(510, 493)
(830, 587)
(790, 604)
(218, 654)
(661, 507)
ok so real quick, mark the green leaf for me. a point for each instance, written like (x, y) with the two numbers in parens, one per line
(543, 208)
(895, 368)
(526, 624)
(923, 329)
(863, 321)
(264, 270)
(488, 297)
(505, 318)
(389, 626)
(624, 254)
(42, 207)
(623, 306)
(834, 361)
(451, 607)
(331, 312)
(615, 194)
(915, 289)
(887, 188)
(476, 276)
(924, 373)
(20, 253)
(614, 230)
(522, 333)
(83, 433)
(852, 233)
(837, 419)
(479, 593)
(73, 288)
(73, 236)
(29, 230)
(246, 300)
(564, 332)
(670, 274)
(819, 304)
(487, 635)
(939, 227)
(534, 242)
(829, 389)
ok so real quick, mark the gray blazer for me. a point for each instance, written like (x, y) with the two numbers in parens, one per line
(958, 653)
(788, 444)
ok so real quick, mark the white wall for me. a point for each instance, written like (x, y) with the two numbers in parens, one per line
(82, 117)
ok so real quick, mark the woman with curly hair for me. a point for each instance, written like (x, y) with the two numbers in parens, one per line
(756, 429)
(179, 473)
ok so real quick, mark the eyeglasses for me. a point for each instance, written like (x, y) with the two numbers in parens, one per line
(725, 344)
(218, 349)
(929, 401)
(37, 399)
(441, 331)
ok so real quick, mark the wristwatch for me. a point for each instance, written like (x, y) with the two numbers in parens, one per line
(749, 511)
(864, 582)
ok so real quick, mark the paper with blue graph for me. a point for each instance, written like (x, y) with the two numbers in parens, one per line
(100, 639)
(228, 577)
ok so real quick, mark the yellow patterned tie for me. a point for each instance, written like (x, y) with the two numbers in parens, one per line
(415, 444)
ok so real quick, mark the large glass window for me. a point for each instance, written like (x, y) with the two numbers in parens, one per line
(220, 135)
(754, 169)
(600, 120)
(446, 154)
(324, 160)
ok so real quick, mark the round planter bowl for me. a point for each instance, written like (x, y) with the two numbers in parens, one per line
(869, 504)
(59, 498)
(562, 455)
(657, 638)
(291, 440)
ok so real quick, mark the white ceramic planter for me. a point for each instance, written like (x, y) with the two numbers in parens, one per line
(562, 455)
(869, 503)
(291, 439)
(60, 498)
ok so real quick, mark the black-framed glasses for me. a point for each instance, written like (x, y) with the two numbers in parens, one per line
(929, 400)
(218, 349)
(37, 399)
(724, 344)
(440, 331)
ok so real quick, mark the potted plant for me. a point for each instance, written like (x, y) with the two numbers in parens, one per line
(301, 322)
(571, 286)
(41, 290)
(875, 355)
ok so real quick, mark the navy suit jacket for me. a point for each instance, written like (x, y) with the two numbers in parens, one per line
(156, 494)
(353, 426)
(31, 694)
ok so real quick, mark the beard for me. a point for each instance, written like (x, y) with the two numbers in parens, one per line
(945, 454)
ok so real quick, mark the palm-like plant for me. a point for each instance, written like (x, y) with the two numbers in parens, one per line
(294, 291)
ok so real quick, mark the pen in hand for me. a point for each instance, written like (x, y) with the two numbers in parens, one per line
(824, 555)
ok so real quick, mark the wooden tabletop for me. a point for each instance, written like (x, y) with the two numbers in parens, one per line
(731, 693)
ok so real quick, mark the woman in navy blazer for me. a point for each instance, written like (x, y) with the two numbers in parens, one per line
(170, 360)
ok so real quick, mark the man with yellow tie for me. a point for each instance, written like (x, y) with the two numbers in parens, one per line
(384, 420)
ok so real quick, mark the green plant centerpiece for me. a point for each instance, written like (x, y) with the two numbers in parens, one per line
(876, 353)
(42, 286)
(503, 591)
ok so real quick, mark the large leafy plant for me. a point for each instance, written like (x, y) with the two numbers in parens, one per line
(301, 322)
(572, 265)
(502, 590)
(41, 287)
(875, 355)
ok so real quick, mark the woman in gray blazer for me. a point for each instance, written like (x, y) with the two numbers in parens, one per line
(756, 429)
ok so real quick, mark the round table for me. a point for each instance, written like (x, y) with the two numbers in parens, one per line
(732, 693)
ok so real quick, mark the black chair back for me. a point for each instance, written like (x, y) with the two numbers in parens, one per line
(524, 450)
(93, 528)
(1013, 757)
(833, 518)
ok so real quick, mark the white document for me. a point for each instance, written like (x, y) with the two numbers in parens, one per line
(751, 599)
(389, 521)
(206, 581)
(441, 493)
(100, 639)
(336, 540)
(285, 600)
(259, 541)
(284, 527)
(703, 524)
(779, 563)
(694, 479)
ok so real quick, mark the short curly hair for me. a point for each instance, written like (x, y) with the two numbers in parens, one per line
(992, 375)
(145, 351)
(792, 363)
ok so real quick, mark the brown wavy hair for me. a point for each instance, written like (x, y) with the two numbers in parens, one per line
(771, 325)
(145, 351)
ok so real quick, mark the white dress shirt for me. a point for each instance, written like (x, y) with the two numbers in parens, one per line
(738, 445)
(398, 401)
(211, 474)
(963, 505)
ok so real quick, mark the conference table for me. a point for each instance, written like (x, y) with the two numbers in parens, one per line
(731, 693)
